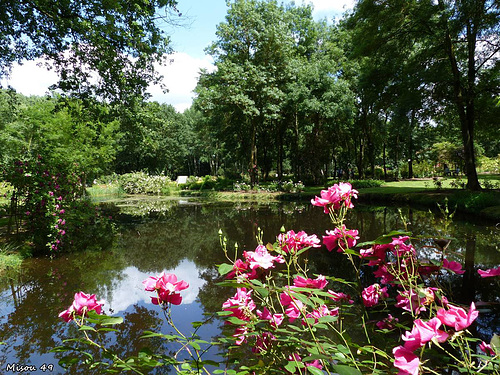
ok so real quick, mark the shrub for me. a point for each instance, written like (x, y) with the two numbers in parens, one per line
(142, 183)
(46, 202)
(360, 184)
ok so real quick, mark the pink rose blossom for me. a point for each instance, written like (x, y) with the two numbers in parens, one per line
(293, 305)
(487, 349)
(372, 294)
(240, 333)
(260, 258)
(406, 361)
(321, 311)
(412, 301)
(241, 304)
(167, 287)
(383, 273)
(274, 319)
(319, 283)
(239, 268)
(335, 197)
(81, 304)
(490, 272)
(457, 317)
(341, 238)
(376, 254)
(295, 357)
(339, 296)
(292, 242)
(423, 332)
(387, 323)
(454, 267)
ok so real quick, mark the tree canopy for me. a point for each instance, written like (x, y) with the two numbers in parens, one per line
(104, 49)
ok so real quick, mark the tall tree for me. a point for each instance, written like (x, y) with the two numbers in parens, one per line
(250, 54)
(456, 44)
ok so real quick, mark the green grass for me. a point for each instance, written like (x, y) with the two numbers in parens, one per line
(105, 190)
(10, 259)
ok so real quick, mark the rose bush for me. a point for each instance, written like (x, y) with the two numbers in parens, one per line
(281, 319)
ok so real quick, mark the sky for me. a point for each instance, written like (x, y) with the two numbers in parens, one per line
(200, 19)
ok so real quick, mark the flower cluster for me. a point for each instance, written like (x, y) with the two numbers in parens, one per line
(81, 304)
(167, 287)
(289, 322)
(425, 331)
(341, 238)
(255, 263)
(335, 197)
(291, 242)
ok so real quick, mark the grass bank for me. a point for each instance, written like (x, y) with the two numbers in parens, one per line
(425, 193)
(418, 193)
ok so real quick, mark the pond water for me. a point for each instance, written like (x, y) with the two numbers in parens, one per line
(181, 237)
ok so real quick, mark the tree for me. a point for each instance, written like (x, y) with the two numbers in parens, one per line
(104, 49)
(455, 44)
(251, 54)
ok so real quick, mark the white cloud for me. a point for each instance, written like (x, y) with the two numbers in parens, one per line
(180, 78)
(31, 78)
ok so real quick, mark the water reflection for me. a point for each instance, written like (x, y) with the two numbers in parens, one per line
(129, 289)
(182, 238)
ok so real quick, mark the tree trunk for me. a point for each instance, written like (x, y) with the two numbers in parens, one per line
(410, 145)
(253, 155)
(464, 98)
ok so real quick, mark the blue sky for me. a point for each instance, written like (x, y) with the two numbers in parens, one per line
(200, 18)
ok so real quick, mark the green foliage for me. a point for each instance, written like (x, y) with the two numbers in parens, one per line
(46, 203)
(142, 183)
(360, 184)
(100, 49)
(10, 259)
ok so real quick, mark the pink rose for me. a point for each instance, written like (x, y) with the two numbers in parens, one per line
(454, 267)
(457, 317)
(319, 283)
(423, 332)
(167, 287)
(490, 272)
(292, 242)
(260, 258)
(341, 238)
(81, 304)
(372, 294)
(487, 349)
(406, 361)
(335, 197)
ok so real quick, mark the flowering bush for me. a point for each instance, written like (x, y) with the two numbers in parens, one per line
(281, 319)
(142, 183)
(46, 202)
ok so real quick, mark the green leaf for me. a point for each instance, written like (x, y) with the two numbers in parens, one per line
(314, 370)
(196, 324)
(225, 268)
(495, 343)
(346, 370)
(87, 328)
(112, 320)
(291, 366)
(195, 345)
(235, 320)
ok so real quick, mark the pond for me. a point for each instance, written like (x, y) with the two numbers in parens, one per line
(181, 237)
